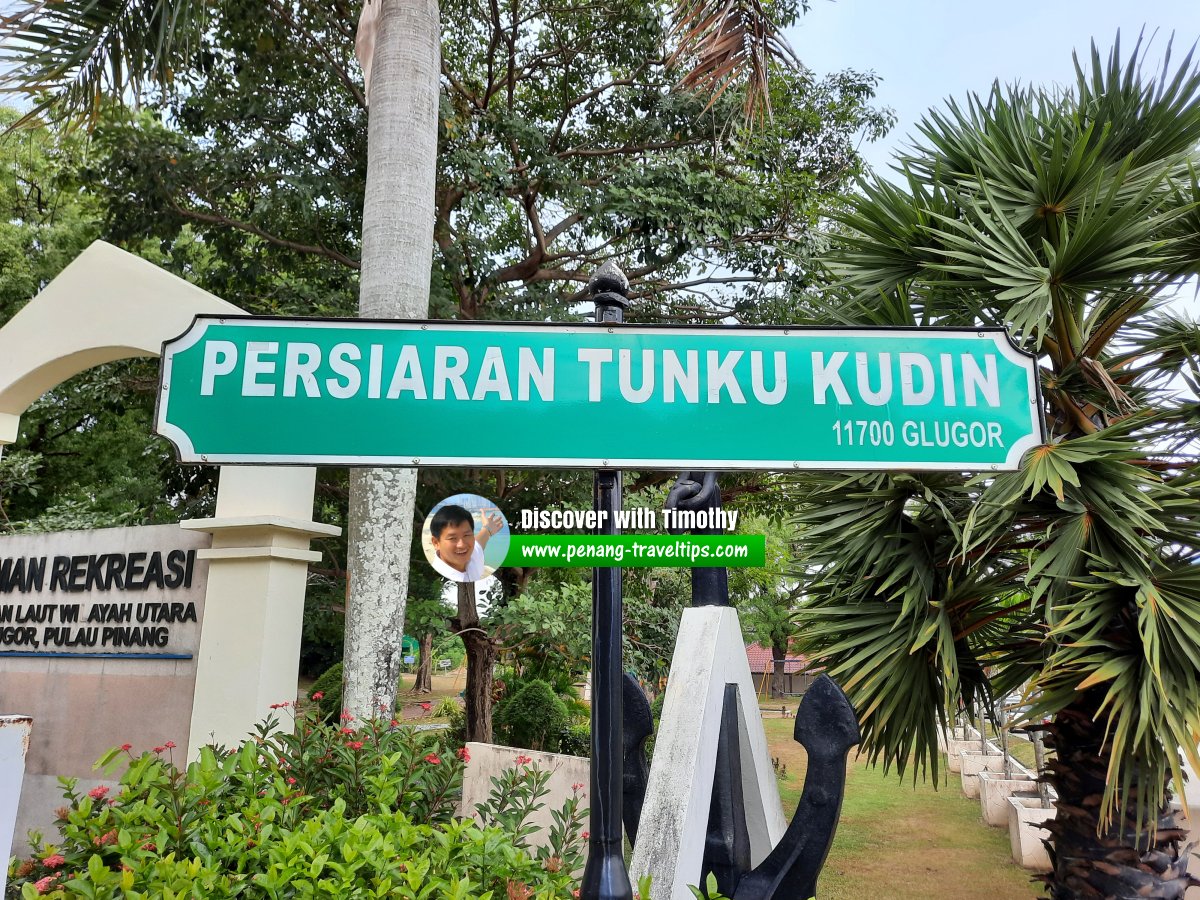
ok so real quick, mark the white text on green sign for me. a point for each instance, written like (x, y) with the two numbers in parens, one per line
(353, 392)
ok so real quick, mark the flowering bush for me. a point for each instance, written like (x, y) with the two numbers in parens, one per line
(324, 811)
(517, 794)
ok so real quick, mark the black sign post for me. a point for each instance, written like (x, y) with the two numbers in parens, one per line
(605, 877)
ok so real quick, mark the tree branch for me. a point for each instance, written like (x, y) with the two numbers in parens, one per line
(249, 228)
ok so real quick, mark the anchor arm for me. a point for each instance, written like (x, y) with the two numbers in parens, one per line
(638, 726)
(827, 728)
(727, 844)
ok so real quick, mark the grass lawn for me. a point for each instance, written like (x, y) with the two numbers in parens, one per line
(904, 843)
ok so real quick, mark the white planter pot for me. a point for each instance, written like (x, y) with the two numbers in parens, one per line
(14, 744)
(971, 763)
(954, 748)
(1025, 815)
(994, 791)
(955, 733)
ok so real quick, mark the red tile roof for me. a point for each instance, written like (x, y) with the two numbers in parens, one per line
(761, 661)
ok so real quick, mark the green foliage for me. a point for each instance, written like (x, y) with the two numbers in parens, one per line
(767, 597)
(1068, 217)
(324, 631)
(85, 456)
(531, 716)
(575, 739)
(329, 686)
(516, 794)
(318, 811)
(446, 708)
(656, 705)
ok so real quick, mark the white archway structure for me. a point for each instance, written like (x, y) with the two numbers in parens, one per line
(109, 305)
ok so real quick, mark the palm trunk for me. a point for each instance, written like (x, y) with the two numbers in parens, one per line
(481, 659)
(1114, 863)
(397, 252)
(424, 682)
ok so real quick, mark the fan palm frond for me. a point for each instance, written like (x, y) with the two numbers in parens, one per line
(71, 55)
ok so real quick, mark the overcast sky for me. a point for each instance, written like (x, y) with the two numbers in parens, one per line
(927, 50)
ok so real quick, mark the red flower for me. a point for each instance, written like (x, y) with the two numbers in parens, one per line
(426, 706)
(464, 754)
(586, 835)
(524, 760)
(346, 717)
(280, 705)
(432, 759)
(347, 731)
(170, 745)
(109, 837)
(394, 723)
(127, 747)
(161, 749)
(54, 860)
(97, 792)
(291, 780)
(319, 695)
(45, 884)
(577, 786)
(354, 745)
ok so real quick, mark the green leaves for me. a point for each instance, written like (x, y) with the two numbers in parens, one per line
(1069, 217)
(300, 815)
(72, 53)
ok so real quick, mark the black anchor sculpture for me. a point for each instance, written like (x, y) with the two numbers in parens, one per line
(826, 726)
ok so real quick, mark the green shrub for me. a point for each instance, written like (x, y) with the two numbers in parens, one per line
(446, 708)
(329, 686)
(533, 716)
(325, 811)
(656, 706)
(576, 739)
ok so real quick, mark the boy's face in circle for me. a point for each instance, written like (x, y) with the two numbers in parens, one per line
(456, 544)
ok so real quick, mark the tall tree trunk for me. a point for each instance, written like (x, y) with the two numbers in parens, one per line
(424, 682)
(481, 659)
(778, 676)
(397, 253)
(1113, 863)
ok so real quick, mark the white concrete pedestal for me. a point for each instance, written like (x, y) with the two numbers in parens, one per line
(709, 653)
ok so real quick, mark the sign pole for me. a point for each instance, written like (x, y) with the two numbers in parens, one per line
(605, 877)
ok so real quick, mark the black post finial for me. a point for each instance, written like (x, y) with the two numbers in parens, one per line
(609, 290)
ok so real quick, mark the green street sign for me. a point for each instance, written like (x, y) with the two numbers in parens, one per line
(357, 392)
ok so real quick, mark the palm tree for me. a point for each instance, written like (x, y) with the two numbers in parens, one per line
(1068, 217)
(75, 55)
